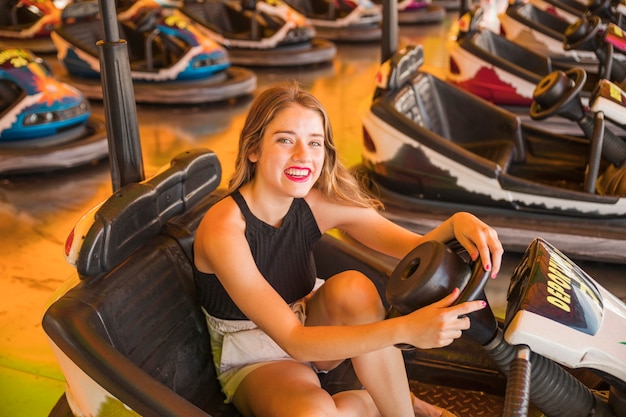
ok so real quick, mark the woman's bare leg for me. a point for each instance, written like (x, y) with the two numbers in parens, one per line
(350, 298)
(289, 388)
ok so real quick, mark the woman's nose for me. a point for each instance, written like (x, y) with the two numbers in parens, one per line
(301, 152)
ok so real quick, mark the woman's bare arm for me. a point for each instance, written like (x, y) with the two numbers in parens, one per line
(369, 227)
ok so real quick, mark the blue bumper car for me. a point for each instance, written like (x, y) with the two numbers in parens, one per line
(45, 124)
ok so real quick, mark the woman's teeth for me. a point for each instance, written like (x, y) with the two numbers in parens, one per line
(294, 172)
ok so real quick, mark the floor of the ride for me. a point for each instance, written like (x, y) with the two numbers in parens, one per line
(38, 211)
(464, 403)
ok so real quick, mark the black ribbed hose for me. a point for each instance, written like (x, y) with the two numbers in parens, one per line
(516, 402)
(613, 148)
(552, 389)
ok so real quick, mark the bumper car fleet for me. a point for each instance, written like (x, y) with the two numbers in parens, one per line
(171, 61)
(45, 124)
(128, 331)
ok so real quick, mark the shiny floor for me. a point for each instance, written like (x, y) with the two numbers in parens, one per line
(37, 212)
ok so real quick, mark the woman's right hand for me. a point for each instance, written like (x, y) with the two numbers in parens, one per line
(438, 324)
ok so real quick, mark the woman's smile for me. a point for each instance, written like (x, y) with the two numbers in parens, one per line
(298, 174)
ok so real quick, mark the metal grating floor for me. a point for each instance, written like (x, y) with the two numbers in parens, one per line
(464, 403)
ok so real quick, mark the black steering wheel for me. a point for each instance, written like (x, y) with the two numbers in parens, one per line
(586, 34)
(581, 34)
(430, 272)
(555, 94)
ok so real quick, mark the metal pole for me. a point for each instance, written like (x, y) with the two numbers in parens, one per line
(464, 7)
(389, 41)
(120, 111)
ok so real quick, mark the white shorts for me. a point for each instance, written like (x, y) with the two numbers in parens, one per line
(239, 347)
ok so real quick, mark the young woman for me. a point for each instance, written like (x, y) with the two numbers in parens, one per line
(272, 326)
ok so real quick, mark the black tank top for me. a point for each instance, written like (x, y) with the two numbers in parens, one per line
(283, 255)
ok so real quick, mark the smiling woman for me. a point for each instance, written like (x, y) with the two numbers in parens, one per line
(289, 188)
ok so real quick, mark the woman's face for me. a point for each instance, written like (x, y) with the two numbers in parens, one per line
(291, 155)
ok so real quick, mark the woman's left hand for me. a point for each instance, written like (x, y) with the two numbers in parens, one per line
(479, 239)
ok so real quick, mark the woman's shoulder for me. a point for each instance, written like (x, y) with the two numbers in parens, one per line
(223, 215)
(330, 213)
(315, 199)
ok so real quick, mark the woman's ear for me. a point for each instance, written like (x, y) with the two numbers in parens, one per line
(253, 154)
(253, 157)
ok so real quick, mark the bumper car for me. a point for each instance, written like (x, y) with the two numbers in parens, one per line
(257, 33)
(431, 148)
(171, 61)
(572, 10)
(448, 5)
(341, 20)
(544, 33)
(45, 124)
(419, 11)
(506, 73)
(130, 337)
(28, 23)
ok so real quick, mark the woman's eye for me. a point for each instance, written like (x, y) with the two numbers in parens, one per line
(284, 140)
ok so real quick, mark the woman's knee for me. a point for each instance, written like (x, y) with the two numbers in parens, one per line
(284, 388)
(320, 405)
(350, 297)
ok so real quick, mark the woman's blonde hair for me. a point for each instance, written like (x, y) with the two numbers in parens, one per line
(335, 182)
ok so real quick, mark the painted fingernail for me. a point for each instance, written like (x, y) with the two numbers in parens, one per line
(487, 267)
(483, 303)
